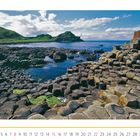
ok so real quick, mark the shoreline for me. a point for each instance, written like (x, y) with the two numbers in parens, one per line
(106, 89)
(20, 43)
(12, 43)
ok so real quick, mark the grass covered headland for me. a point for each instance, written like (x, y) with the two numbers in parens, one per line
(9, 36)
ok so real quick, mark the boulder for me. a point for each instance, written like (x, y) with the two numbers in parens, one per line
(134, 116)
(7, 109)
(23, 102)
(137, 78)
(123, 100)
(77, 116)
(2, 100)
(73, 105)
(138, 62)
(48, 94)
(116, 112)
(91, 81)
(96, 112)
(72, 85)
(89, 98)
(102, 85)
(40, 108)
(64, 111)
(110, 62)
(121, 90)
(134, 104)
(135, 92)
(117, 47)
(130, 75)
(36, 117)
(92, 57)
(22, 113)
(50, 87)
(116, 63)
(129, 63)
(48, 59)
(50, 113)
(120, 57)
(131, 110)
(136, 66)
(122, 81)
(111, 55)
(2, 80)
(59, 117)
(83, 82)
(86, 104)
(97, 80)
(64, 83)
(9, 106)
(70, 108)
(136, 56)
(59, 56)
(67, 91)
(57, 92)
(76, 94)
(13, 97)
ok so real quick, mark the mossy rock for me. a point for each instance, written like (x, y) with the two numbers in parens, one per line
(20, 91)
(51, 100)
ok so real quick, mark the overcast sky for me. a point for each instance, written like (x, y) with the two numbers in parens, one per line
(90, 25)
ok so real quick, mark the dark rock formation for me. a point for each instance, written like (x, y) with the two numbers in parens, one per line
(59, 56)
(135, 43)
(67, 37)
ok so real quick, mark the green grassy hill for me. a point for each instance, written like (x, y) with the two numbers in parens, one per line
(67, 37)
(5, 33)
(9, 36)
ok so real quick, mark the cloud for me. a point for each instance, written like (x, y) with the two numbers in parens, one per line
(47, 23)
(18, 23)
(126, 16)
(89, 23)
(122, 33)
(132, 29)
(31, 25)
(51, 16)
(43, 13)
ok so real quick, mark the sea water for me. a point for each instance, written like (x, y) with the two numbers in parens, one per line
(53, 70)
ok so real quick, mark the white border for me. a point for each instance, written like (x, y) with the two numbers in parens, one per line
(69, 5)
(70, 123)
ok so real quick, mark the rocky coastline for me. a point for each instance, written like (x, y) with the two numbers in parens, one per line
(105, 89)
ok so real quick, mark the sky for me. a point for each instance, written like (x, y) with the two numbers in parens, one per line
(89, 25)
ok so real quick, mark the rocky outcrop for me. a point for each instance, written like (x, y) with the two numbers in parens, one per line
(135, 43)
(136, 36)
(67, 37)
(59, 56)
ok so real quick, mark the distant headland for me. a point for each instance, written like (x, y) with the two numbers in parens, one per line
(9, 36)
